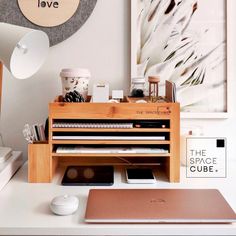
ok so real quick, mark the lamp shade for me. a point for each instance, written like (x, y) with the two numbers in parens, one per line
(22, 50)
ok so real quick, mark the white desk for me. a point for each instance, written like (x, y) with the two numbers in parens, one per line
(24, 209)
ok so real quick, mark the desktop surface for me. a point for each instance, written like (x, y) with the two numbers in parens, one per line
(24, 207)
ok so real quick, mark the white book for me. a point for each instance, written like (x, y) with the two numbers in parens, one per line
(108, 150)
(41, 132)
(9, 168)
(5, 153)
(36, 137)
(150, 138)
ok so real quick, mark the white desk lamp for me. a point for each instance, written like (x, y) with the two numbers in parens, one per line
(22, 51)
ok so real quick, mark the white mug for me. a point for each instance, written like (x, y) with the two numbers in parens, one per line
(75, 80)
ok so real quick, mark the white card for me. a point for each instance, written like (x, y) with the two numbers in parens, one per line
(206, 157)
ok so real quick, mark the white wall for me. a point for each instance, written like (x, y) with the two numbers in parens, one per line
(103, 46)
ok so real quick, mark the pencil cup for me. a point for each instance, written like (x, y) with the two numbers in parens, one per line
(38, 163)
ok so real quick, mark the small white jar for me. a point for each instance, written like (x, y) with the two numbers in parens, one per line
(75, 80)
(64, 205)
(137, 83)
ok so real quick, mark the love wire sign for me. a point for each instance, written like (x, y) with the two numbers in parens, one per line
(48, 13)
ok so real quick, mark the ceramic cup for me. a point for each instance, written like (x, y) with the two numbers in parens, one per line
(75, 80)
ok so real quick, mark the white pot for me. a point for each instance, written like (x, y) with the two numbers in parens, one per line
(64, 205)
(75, 80)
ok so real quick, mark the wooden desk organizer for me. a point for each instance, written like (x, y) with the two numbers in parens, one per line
(43, 160)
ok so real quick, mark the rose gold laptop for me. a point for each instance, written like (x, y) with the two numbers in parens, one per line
(158, 206)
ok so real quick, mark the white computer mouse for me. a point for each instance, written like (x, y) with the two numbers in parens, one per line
(64, 205)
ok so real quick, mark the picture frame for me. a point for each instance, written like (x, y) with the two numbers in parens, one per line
(224, 114)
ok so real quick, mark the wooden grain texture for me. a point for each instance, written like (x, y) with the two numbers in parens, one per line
(123, 111)
(174, 163)
(39, 167)
(1, 78)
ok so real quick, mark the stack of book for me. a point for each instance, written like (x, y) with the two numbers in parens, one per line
(9, 167)
(34, 133)
(39, 133)
(5, 153)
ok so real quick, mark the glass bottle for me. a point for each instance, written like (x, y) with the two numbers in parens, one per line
(137, 87)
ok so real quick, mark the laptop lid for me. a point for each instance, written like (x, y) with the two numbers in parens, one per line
(158, 206)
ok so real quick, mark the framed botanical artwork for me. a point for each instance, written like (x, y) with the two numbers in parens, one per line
(184, 41)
